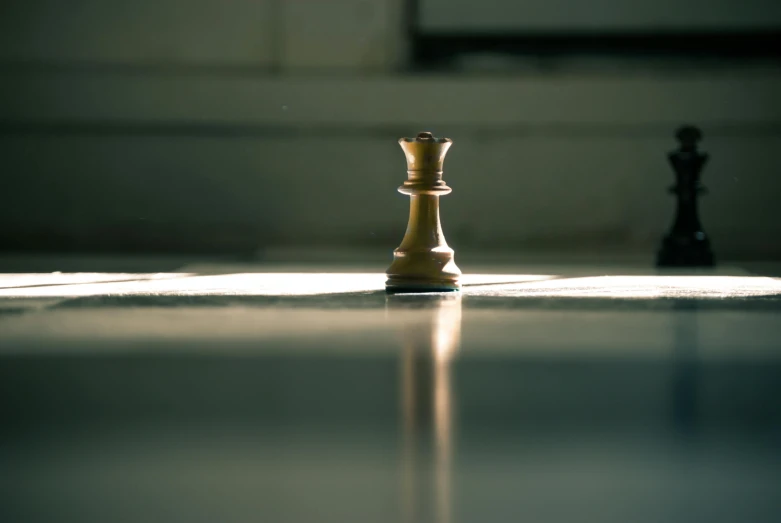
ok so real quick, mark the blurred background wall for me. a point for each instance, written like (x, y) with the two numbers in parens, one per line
(236, 125)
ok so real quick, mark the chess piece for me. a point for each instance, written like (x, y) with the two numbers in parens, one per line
(424, 262)
(686, 245)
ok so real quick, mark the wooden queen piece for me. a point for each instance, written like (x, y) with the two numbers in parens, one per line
(424, 262)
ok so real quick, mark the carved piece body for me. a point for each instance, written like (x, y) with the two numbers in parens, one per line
(686, 245)
(424, 262)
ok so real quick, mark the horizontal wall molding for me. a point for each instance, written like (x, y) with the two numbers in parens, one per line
(368, 131)
(62, 100)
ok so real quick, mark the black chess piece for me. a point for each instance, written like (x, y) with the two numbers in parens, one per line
(686, 245)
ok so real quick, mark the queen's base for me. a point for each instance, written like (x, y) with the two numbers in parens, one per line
(408, 285)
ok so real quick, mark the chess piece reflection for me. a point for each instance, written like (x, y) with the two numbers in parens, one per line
(686, 245)
(430, 335)
(424, 262)
(686, 368)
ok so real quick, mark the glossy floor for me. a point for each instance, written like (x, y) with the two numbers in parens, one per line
(551, 394)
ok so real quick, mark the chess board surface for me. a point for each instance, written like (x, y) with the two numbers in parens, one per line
(207, 391)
